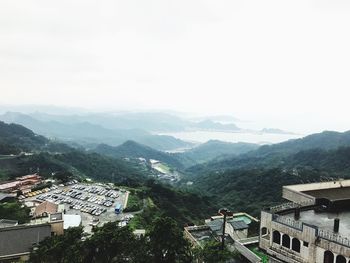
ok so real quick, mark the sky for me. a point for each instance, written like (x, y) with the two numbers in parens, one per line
(276, 63)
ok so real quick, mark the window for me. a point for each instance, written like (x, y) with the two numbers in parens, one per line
(276, 237)
(340, 259)
(306, 244)
(286, 241)
(263, 231)
(296, 245)
(328, 257)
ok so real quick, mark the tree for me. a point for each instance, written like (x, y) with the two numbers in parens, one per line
(60, 249)
(111, 243)
(167, 242)
(212, 252)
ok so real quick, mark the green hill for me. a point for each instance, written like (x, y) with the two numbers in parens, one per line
(16, 138)
(269, 156)
(254, 180)
(131, 149)
(214, 149)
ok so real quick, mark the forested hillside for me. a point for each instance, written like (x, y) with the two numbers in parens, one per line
(131, 149)
(214, 149)
(250, 183)
(269, 156)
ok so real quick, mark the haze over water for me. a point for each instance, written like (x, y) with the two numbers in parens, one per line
(259, 138)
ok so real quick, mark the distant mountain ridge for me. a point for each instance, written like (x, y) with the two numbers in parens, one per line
(275, 154)
(87, 133)
(214, 149)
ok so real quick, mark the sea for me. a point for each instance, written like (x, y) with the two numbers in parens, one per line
(249, 137)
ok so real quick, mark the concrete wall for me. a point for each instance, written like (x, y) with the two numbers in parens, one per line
(312, 247)
(296, 196)
(319, 186)
(19, 239)
(306, 235)
(57, 227)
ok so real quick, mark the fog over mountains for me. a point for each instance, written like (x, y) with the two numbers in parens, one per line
(114, 128)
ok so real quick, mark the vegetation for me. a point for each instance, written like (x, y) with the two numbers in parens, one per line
(213, 150)
(164, 243)
(16, 138)
(135, 203)
(76, 163)
(14, 211)
(131, 149)
(212, 252)
(253, 183)
(161, 200)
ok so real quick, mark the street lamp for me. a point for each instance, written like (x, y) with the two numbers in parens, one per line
(224, 212)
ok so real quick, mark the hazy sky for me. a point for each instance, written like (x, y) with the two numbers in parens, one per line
(282, 62)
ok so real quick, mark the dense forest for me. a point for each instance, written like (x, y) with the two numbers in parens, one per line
(164, 243)
(254, 180)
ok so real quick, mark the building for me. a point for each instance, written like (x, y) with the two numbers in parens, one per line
(313, 227)
(236, 233)
(71, 221)
(45, 209)
(23, 183)
(17, 241)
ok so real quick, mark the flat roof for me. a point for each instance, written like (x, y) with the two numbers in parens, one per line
(325, 220)
(71, 221)
(201, 234)
(332, 194)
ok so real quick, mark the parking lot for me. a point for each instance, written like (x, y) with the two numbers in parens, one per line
(94, 202)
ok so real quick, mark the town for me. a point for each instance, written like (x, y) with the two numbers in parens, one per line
(311, 227)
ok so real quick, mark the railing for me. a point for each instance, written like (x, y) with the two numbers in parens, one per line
(196, 228)
(331, 236)
(290, 205)
(288, 221)
(249, 240)
(246, 252)
(285, 254)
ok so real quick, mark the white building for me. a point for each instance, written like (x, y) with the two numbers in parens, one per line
(314, 227)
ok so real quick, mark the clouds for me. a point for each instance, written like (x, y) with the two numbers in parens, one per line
(268, 59)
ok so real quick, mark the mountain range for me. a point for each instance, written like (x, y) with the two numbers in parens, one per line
(255, 179)
(238, 176)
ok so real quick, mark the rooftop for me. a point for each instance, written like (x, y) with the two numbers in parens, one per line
(238, 225)
(332, 194)
(71, 221)
(325, 220)
(201, 234)
(332, 190)
(329, 200)
(45, 207)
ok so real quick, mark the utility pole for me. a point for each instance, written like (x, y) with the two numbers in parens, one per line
(224, 212)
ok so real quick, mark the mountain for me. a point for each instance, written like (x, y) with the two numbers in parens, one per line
(19, 139)
(251, 188)
(214, 149)
(71, 128)
(131, 149)
(49, 157)
(275, 154)
(255, 179)
(326, 140)
(147, 121)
